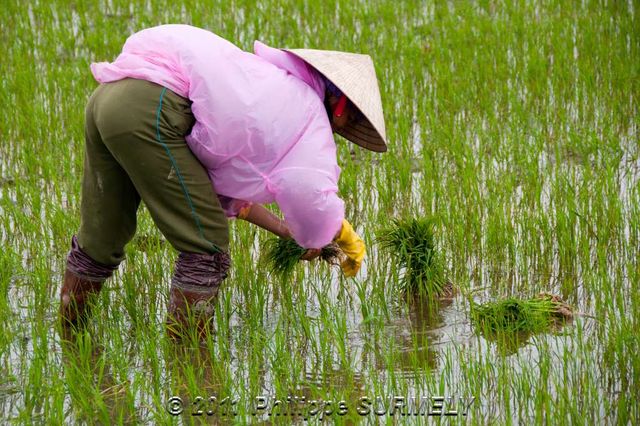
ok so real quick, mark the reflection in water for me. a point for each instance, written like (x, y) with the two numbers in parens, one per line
(198, 378)
(510, 343)
(96, 393)
(425, 320)
(413, 337)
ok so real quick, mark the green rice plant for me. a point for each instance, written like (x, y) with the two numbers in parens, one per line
(282, 255)
(513, 315)
(411, 243)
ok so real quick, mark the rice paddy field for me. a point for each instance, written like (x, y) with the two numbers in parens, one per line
(512, 125)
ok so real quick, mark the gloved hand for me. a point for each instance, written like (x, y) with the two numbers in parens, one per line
(353, 247)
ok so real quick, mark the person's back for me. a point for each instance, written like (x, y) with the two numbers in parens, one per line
(255, 122)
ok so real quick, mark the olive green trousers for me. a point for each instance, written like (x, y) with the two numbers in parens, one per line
(136, 149)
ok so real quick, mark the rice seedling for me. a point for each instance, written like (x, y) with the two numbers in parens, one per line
(283, 254)
(411, 244)
(513, 315)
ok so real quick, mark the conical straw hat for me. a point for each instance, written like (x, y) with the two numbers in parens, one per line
(355, 76)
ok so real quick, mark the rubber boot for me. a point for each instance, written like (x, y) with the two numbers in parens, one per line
(191, 307)
(193, 293)
(76, 296)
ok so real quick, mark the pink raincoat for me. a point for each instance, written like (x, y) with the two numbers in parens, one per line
(261, 130)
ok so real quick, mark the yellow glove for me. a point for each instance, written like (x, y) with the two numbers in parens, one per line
(353, 247)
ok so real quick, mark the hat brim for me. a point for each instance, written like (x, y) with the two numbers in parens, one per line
(354, 75)
(363, 134)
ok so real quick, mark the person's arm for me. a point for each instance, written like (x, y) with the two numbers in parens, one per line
(262, 217)
(265, 219)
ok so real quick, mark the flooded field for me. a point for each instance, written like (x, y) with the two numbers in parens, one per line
(513, 124)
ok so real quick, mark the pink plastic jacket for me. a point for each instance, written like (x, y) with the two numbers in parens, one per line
(261, 127)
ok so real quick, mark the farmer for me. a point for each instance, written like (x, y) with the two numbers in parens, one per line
(202, 131)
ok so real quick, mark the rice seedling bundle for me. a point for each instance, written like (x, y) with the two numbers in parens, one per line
(282, 255)
(410, 242)
(513, 315)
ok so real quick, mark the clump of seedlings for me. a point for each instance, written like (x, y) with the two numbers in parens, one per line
(282, 255)
(513, 315)
(411, 243)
